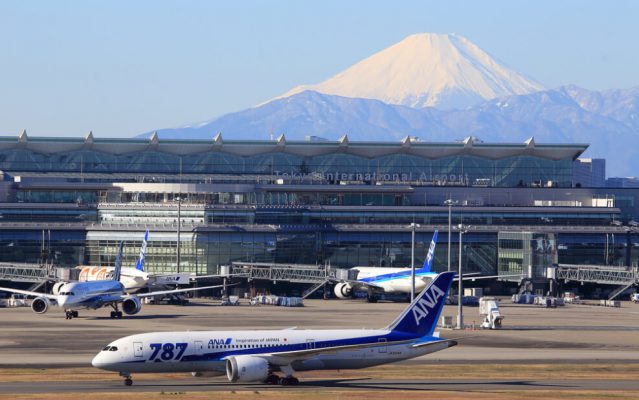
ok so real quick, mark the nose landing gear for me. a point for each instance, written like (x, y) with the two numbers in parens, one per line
(127, 378)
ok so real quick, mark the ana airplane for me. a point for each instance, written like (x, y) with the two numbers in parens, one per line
(133, 279)
(377, 281)
(255, 356)
(96, 294)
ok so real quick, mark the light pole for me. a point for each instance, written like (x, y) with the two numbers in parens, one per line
(449, 203)
(460, 316)
(179, 226)
(412, 260)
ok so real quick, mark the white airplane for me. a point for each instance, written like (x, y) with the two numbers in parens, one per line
(388, 280)
(133, 279)
(377, 280)
(254, 356)
(96, 294)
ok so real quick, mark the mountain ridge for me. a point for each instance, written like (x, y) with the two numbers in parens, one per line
(552, 116)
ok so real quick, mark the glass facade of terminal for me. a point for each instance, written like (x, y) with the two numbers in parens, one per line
(336, 167)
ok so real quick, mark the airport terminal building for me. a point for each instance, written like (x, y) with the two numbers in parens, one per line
(337, 203)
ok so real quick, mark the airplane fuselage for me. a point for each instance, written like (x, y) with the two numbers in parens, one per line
(394, 280)
(131, 278)
(93, 295)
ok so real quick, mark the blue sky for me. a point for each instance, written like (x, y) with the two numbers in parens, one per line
(120, 68)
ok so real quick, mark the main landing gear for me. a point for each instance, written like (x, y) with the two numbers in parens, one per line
(287, 380)
(116, 313)
(371, 296)
(70, 314)
(273, 379)
(127, 378)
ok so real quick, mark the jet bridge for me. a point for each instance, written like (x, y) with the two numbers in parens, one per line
(623, 277)
(316, 275)
(26, 273)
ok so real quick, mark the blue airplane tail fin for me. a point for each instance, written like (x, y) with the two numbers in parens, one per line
(428, 263)
(140, 264)
(118, 263)
(421, 316)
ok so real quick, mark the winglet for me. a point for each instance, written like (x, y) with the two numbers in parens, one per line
(428, 263)
(419, 319)
(118, 263)
(140, 264)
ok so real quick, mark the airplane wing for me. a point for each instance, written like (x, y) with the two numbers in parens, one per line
(287, 357)
(356, 283)
(365, 284)
(28, 293)
(449, 342)
(161, 292)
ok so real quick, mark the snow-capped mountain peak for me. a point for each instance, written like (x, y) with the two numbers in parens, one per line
(427, 70)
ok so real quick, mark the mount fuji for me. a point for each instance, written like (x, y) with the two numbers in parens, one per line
(427, 70)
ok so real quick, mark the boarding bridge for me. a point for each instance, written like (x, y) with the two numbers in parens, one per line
(26, 273)
(622, 277)
(315, 275)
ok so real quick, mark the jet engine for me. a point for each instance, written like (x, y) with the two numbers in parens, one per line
(131, 305)
(40, 305)
(343, 290)
(56, 287)
(246, 369)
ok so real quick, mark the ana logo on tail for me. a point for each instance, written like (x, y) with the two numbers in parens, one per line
(431, 253)
(140, 264)
(426, 303)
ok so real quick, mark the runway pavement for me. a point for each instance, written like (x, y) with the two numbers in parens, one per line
(201, 385)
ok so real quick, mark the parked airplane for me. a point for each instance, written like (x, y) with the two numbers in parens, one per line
(388, 280)
(377, 281)
(96, 294)
(255, 356)
(133, 279)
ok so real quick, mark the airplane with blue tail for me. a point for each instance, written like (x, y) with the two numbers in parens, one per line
(377, 281)
(96, 294)
(273, 356)
(134, 279)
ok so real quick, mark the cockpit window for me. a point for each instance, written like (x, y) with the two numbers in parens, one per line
(106, 348)
(113, 348)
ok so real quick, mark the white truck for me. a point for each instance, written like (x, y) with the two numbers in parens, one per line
(489, 310)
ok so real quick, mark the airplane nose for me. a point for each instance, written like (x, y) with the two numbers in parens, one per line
(98, 361)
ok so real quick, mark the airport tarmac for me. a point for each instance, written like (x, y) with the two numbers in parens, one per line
(530, 333)
(218, 385)
(574, 334)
